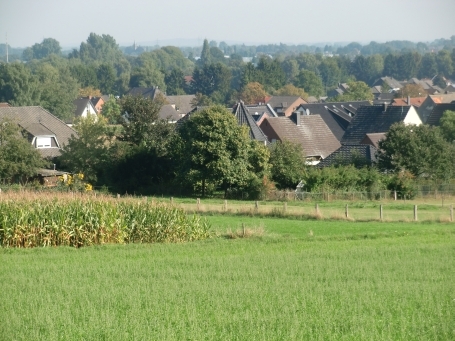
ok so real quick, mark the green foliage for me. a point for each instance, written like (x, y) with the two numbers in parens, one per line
(211, 80)
(447, 125)
(310, 82)
(89, 222)
(214, 150)
(345, 178)
(141, 115)
(404, 184)
(420, 150)
(112, 110)
(18, 159)
(357, 91)
(42, 50)
(175, 82)
(87, 153)
(17, 85)
(288, 164)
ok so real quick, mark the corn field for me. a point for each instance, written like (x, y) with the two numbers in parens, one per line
(44, 221)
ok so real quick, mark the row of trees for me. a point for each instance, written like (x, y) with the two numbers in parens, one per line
(99, 66)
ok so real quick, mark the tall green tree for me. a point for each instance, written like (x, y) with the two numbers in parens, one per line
(420, 150)
(87, 153)
(310, 82)
(18, 159)
(18, 86)
(141, 117)
(287, 164)
(42, 50)
(212, 78)
(448, 125)
(175, 82)
(205, 54)
(214, 150)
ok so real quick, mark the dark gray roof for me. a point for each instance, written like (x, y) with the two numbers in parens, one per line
(145, 92)
(38, 122)
(357, 154)
(182, 120)
(438, 111)
(373, 119)
(243, 117)
(336, 115)
(390, 81)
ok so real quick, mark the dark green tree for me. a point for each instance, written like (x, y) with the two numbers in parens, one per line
(448, 125)
(357, 91)
(18, 159)
(211, 78)
(106, 78)
(175, 82)
(310, 82)
(18, 86)
(214, 150)
(287, 164)
(420, 150)
(205, 54)
(42, 50)
(428, 66)
(141, 116)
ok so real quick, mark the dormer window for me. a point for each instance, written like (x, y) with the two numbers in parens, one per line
(43, 142)
(48, 141)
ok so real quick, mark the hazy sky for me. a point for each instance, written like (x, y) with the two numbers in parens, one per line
(249, 21)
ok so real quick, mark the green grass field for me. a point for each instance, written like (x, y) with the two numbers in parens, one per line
(293, 280)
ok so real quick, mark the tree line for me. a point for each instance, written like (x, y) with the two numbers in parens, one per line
(99, 66)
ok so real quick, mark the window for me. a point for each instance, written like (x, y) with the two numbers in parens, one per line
(43, 142)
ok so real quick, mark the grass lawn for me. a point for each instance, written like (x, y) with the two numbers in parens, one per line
(299, 280)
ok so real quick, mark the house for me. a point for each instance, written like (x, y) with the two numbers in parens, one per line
(388, 84)
(340, 90)
(145, 92)
(381, 98)
(169, 114)
(181, 103)
(415, 101)
(97, 103)
(285, 105)
(429, 103)
(244, 117)
(261, 111)
(378, 119)
(426, 84)
(83, 108)
(357, 154)
(438, 110)
(337, 115)
(44, 131)
(310, 131)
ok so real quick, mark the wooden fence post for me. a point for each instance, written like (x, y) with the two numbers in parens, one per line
(225, 205)
(346, 212)
(285, 207)
(451, 212)
(198, 201)
(118, 196)
(172, 200)
(381, 216)
(256, 206)
(317, 208)
(415, 212)
(395, 195)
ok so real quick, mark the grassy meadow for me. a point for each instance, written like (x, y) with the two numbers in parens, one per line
(291, 279)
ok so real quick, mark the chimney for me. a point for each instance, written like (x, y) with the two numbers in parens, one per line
(385, 107)
(409, 100)
(297, 118)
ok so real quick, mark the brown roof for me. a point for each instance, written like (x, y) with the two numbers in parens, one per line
(373, 139)
(415, 101)
(445, 98)
(38, 121)
(312, 133)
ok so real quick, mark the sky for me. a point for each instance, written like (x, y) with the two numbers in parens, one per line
(150, 22)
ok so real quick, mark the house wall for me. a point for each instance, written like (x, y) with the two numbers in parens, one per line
(412, 117)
